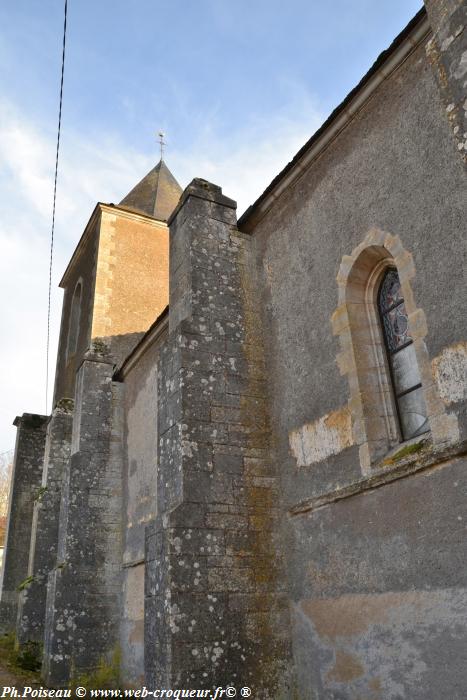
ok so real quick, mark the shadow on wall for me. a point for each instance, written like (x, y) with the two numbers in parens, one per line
(118, 347)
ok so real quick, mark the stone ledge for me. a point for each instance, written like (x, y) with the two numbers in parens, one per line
(30, 420)
(429, 456)
(133, 563)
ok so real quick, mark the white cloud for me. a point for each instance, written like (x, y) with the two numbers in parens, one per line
(245, 163)
(98, 168)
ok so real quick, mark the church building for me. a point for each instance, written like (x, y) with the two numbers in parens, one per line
(255, 470)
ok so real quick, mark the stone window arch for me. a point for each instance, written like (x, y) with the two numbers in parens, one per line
(75, 317)
(364, 357)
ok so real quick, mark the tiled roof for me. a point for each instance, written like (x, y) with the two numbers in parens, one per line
(156, 194)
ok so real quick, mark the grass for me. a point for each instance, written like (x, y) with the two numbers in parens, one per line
(105, 676)
(405, 452)
(23, 663)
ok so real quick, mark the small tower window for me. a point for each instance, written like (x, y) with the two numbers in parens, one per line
(406, 382)
(75, 314)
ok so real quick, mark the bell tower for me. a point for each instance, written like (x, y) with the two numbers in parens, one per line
(116, 283)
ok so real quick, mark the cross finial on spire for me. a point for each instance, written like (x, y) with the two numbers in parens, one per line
(161, 143)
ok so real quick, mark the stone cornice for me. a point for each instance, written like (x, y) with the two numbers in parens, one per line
(429, 457)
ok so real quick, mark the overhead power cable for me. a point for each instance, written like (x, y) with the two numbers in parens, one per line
(53, 209)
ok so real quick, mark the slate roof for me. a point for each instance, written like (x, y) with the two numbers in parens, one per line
(157, 194)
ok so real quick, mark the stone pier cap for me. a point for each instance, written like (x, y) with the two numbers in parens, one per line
(30, 420)
(202, 189)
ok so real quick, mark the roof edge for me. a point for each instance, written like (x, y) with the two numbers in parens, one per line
(389, 60)
(123, 209)
(81, 243)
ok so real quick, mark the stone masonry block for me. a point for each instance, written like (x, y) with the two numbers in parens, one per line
(207, 492)
(25, 484)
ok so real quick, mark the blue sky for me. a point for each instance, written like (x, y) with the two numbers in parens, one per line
(238, 87)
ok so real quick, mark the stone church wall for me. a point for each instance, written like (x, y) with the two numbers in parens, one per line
(84, 589)
(131, 278)
(233, 504)
(377, 579)
(45, 526)
(139, 501)
(117, 248)
(215, 613)
(25, 484)
(84, 270)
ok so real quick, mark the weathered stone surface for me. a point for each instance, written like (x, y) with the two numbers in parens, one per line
(84, 592)
(25, 488)
(374, 579)
(44, 536)
(139, 502)
(447, 52)
(257, 457)
(194, 633)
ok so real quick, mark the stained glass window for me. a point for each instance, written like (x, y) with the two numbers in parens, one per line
(402, 360)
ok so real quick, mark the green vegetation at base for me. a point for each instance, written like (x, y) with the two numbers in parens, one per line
(106, 676)
(24, 661)
(29, 656)
(7, 647)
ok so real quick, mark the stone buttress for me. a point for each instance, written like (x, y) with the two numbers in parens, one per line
(25, 485)
(83, 598)
(45, 523)
(214, 610)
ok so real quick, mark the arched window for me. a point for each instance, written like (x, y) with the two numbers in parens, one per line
(402, 360)
(75, 313)
(381, 330)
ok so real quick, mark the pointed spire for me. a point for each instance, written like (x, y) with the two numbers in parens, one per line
(157, 194)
